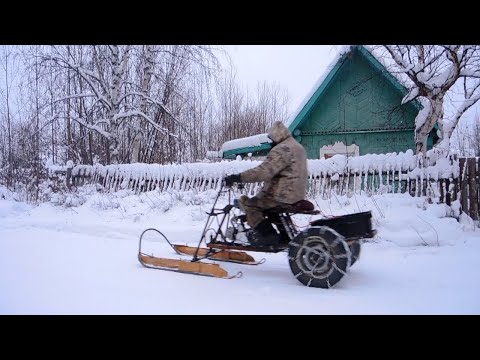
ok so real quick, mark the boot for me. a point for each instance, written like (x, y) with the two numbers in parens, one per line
(264, 235)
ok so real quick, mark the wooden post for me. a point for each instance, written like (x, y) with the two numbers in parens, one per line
(477, 178)
(448, 194)
(69, 174)
(464, 185)
(411, 188)
(440, 185)
(455, 189)
(472, 188)
(455, 180)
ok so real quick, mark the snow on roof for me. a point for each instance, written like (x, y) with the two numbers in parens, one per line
(255, 140)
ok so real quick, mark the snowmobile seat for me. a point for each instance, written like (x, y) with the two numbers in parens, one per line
(300, 207)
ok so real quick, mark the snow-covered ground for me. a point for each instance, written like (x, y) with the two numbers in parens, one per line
(83, 260)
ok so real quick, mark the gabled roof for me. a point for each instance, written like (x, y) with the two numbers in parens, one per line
(311, 99)
(329, 75)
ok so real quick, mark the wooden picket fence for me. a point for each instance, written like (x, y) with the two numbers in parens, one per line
(467, 186)
(446, 189)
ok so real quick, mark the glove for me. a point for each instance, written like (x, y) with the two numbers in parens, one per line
(230, 179)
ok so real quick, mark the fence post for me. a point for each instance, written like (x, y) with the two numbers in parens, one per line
(472, 188)
(448, 194)
(68, 179)
(454, 191)
(477, 178)
(441, 183)
(464, 185)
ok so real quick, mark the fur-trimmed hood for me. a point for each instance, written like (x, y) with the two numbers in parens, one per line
(278, 132)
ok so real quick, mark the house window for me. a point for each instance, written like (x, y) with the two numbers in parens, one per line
(339, 147)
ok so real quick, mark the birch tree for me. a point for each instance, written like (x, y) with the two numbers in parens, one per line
(148, 65)
(6, 59)
(104, 81)
(476, 137)
(435, 72)
(114, 98)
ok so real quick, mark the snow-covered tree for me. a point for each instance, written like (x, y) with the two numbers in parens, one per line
(107, 104)
(436, 72)
(241, 115)
(148, 64)
(6, 134)
(114, 95)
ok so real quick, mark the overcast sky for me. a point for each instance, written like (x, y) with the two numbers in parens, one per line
(296, 68)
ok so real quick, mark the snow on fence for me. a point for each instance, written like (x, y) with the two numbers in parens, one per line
(442, 178)
(385, 173)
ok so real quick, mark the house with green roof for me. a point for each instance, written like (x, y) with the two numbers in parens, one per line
(354, 109)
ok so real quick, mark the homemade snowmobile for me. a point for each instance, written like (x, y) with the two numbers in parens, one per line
(319, 256)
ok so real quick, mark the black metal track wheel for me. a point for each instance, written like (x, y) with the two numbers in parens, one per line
(319, 257)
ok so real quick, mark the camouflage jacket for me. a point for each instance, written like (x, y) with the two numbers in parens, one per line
(284, 171)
